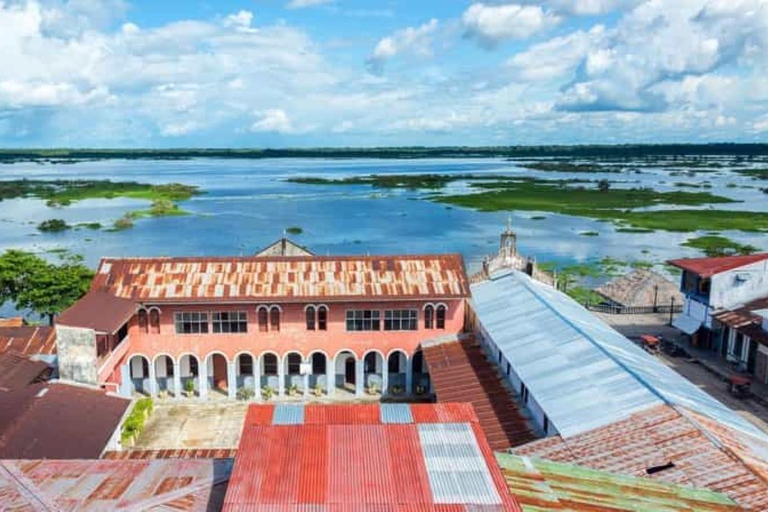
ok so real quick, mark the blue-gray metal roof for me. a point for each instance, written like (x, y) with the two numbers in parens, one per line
(582, 372)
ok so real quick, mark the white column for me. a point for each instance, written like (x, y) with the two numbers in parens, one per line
(177, 380)
(360, 378)
(385, 380)
(280, 377)
(330, 376)
(152, 380)
(203, 379)
(257, 378)
(409, 375)
(231, 380)
(126, 385)
(306, 383)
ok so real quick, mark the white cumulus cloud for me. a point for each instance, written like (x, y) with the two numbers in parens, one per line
(492, 24)
(410, 41)
(273, 120)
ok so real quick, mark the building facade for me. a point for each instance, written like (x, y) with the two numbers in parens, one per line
(242, 327)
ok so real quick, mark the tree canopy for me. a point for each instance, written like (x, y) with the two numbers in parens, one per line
(31, 282)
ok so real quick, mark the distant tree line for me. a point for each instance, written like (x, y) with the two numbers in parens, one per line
(625, 151)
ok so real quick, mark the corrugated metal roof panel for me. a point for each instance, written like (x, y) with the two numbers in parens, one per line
(553, 343)
(396, 413)
(544, 485)
(288, 414)
(307, 277)
(352, 460)
(28, 340)
(708, 267)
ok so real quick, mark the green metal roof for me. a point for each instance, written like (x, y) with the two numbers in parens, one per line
(540, 485)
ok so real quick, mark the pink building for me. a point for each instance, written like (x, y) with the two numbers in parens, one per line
(240, 326)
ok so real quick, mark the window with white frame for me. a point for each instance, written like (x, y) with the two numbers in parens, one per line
(230, 322)
(401, 320)
(191, 322)
(363, 320)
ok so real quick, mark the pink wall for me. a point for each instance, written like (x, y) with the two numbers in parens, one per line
(293, 334)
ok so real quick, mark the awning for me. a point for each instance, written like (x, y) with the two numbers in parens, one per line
(687, 324)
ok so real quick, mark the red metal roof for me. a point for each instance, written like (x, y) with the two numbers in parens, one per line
(98, 310)
(358, 458)
(460, 371)
(705, 454)
(28, 340)
(16, 321)
(180, 485)
(708, 267)
(57, 421)
(283, 278)
(183, 453)
(17, 371)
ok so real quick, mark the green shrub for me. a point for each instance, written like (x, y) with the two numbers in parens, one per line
(134, 424)
(53, 226)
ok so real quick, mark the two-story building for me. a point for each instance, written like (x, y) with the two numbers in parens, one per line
(720, 294)
(288, 324)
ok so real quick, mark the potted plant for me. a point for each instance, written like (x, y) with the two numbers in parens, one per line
(318, 390)
(373, 388)
(267, 393)
(420, 389)
(189, 387)
(293, 390)
(245, 394)
(397, 389)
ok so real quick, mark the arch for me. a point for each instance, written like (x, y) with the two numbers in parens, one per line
(164, 373)
(310, 313)
(419, 373)
(189, 373)
(429, 316)
(262, 314)
(345, 370)
(269, 362)
(322, 317)
(373, 370)
(245, 367)
(154, 320)
(143, 320)
(294, 381)
(217, 371)
(138, 371)
(318, 376)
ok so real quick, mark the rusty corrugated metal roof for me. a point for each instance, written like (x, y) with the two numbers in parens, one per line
(40, 485)
(57, 421)
(708, 267)
(696, 446)
(746, 319)
(183, 453)
(17, 371)
(460, 371)
(98, 310)
(541, 485)
(283, 278)
(28, 340)
(16, 321)
(353, 457)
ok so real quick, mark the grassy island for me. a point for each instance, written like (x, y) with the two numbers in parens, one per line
(715, 245)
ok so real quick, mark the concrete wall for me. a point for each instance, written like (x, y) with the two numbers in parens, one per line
(739, 286)
(76, 349)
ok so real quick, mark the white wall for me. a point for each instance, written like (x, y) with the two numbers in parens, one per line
(728, 290)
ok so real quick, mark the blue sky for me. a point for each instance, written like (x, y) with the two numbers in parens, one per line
(269, 73)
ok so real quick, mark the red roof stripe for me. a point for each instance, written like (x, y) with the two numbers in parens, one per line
(708, 267)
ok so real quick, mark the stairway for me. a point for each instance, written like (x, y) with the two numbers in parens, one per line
(461, 372)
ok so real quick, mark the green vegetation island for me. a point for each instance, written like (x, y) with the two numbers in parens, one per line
(619, 151)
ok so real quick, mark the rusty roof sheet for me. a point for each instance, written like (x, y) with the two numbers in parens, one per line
(98, 310)
(641, 288)
(180, 485)
(16, 321)
(460, 371)
(17, 371)
(541, 485)
(708, 267)
(183, 453)
(28, 340)
(693, 443)
(46, 421)
(283, 278)
(352, 457)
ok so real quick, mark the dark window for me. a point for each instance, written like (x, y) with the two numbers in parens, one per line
(524, 393)
(546, 424)
(318, 364)
(441, 311)
(270, 364)
(401, 320)
(429, 317)
(274, 319)
(143, 321)
(363, 320)
(738, 345)
(154, 321)
(294, 364)
(310, 318)
(246, 365)
(191, 323)
(230, 322)
(656, 469)
(509, 368)
(394, 363)
(263, 320)
(322, 318)
(193, 368)
(370, 363)
(168, 367)
(418, 362)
